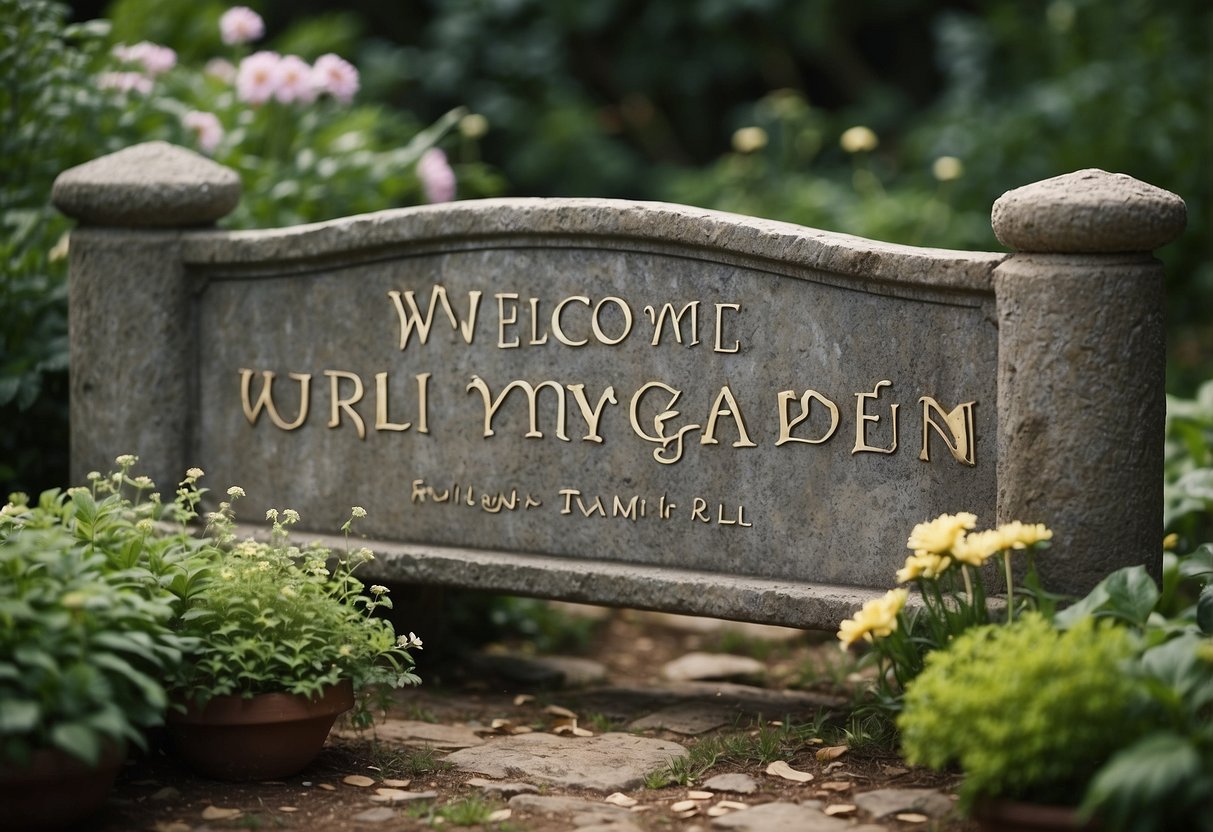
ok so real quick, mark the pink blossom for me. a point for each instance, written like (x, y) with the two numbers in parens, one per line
(240, 24)
(294, 81)
(258, 77)
(222, 69)
(336, 76)
(156, 59)
(125, 82)
(437, 178)
(206, 127)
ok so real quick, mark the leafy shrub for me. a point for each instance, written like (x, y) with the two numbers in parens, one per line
(1188, 472)
(1025, 710)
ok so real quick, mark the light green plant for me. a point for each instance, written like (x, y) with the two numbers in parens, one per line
(276, 617)
(1025, 710)
(89, 586)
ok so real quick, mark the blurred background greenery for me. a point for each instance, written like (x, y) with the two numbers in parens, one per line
(739, 105)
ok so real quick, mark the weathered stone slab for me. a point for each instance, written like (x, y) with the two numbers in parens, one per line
(606, 763)
(884, 802)
(736, 783)
(690, 718)
(424, 734)
(780, 817)
(631, 403)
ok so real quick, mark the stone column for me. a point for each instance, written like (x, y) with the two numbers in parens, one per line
(129, 312)
(1081, 399)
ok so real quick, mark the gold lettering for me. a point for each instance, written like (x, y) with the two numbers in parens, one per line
(699, 510)
(381, 403)
(786, 397)
(556, 328)
(659, 435)
(491, 406)
(266, 399)
(734, 410)
(339, 404)
(597, 326)
(720, 307)
(959, 422)
(503, 321)
(423, 404)
(627, 512)
(412, 318)
(862, 418)
(591, 415)
(535, 340)
(676, 317)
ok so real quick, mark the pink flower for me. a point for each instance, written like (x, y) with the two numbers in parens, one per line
(222, 69)
(206, 127)
(294, 81)
(125, 82)
(240, 24)
(336, 76)
(156, 59)
(258, 77)
(437, 178)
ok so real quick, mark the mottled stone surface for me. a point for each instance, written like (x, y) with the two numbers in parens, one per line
(884, 802)
(781, 817)
(736, 782)
(151, 185)
(606, 763)
(733, 469)
(688, 718)
(694, 667)
(1088, 211)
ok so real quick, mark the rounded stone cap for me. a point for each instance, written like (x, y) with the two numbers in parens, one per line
(150, 185)
(1088, 211)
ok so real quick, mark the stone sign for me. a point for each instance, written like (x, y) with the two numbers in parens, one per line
(630, 403)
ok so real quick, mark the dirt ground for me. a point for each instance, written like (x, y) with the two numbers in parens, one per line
(155, 793)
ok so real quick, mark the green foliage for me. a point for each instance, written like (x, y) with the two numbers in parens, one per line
(273, 617)
(1188, 472)
(759, 747)
(88, 595)
(1154, 700)
(1025, 710)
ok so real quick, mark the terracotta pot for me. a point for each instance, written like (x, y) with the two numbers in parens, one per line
(1016, 816)
(56, 789)
(269, 736)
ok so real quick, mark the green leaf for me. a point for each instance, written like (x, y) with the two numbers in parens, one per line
(1204, 610)
(18, 717)
(78, 740)
(1128, 594)
(1152, 784)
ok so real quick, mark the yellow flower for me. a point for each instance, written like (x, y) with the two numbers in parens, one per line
(978, 547)
(940, 535)
(858, 139)
(1017, 535)
(923, 565)
(877, 618)
(1170, 542)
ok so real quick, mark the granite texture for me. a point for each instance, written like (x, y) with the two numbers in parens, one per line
(151, 185)
(173, 333)
(1088, 211)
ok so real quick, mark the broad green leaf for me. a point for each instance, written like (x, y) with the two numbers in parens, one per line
(1204, 610)
(18, 717)
(1153, 782)
(78, 740)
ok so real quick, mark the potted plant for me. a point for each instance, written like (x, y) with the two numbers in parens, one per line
(1098, 718)
(282, 638)
(85, 642)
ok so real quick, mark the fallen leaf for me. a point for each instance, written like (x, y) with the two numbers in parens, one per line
(392, 794)
(556, 710)
(621, 799)
(832, 767)
(912, 817)
(288, 809)
(569, 726)
(830, 753)
(643, 807)
(359, 780)
(817, 741)
(218, 813)
(523, 698)
(698, 795)
(780, 768)
(836, 786)
(894, 771)
(328, 787)
(839, 809)
(499, 815)
(396, 784)
(733, 804)
(683, 806)
(718, 810)
(172, 826)
(689, 813)
(504, 726)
